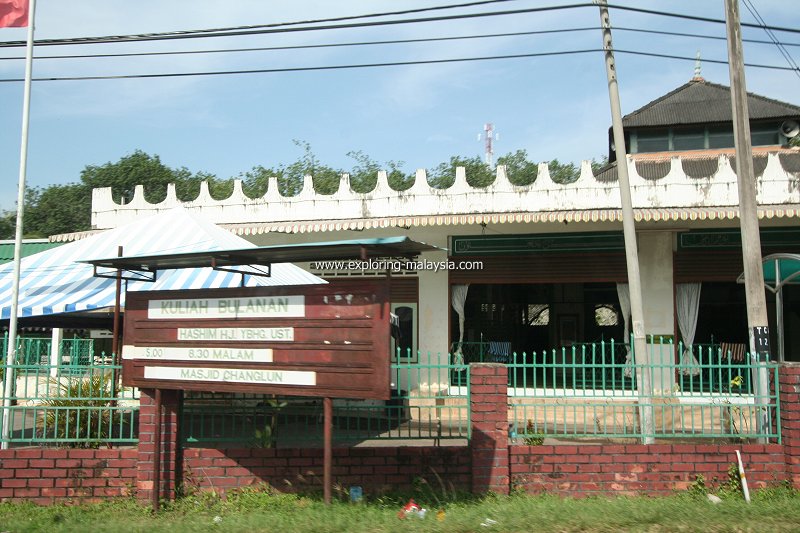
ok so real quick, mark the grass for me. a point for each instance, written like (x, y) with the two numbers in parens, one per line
(254, 510)
(257, 510)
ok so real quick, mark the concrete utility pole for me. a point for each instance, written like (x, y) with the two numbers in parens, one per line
(641, 357)
(757, 321)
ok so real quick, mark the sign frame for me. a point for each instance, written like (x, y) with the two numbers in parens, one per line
(339, 347)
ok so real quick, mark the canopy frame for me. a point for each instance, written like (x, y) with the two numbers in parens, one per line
(774, 266)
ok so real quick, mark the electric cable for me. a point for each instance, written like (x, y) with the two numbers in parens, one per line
(784, 52)
(388, 42)
(375, 65)
(286, 27)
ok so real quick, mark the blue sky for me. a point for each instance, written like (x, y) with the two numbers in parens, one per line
(553, 107)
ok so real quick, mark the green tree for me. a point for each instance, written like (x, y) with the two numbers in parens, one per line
(135, 169)
(479, 174)
(8, 222)
(364, 176)
(570, 172)
(325, 178)
(519, 169)
(58, 209)
(398, 180)
(563, 172)
(67, 208)
(256, 181)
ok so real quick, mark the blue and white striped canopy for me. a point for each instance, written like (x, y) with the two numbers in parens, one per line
(54, 281)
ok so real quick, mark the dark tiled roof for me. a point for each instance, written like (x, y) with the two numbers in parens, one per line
(702, 102)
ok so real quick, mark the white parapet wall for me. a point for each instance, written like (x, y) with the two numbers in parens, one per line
(775, 186)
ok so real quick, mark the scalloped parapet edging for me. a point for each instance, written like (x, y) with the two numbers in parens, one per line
(775, 186)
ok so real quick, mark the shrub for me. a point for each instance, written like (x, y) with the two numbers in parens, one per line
(80, 415)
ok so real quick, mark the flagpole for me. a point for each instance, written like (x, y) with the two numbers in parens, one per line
(9, 377)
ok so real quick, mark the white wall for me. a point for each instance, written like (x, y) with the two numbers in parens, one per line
(776, 186)
(656, 269)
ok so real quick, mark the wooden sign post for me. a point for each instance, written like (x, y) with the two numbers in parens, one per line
(316, 340)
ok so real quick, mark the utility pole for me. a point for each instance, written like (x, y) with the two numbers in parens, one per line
(757, 322)
(641, 357)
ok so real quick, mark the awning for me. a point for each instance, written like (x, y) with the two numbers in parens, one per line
(59, 280)
(385, 247)
(779, 270)
(666, 214)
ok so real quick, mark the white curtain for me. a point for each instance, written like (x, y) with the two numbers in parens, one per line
(624, 295)
(458, 296)
(688, 307)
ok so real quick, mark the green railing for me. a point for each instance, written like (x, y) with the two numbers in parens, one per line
(35, 351)
(585, 391)
(420, 408)
(69, 406)
(582, 366)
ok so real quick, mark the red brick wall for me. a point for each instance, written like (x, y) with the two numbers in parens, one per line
(789, 379)
(170, 466)
(628, 469)
(489, 418)
(377, 470)
(46, 475)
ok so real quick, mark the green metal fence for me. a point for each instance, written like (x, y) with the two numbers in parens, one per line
(585, 391)
(69, 405)
(36, 351)
(421, 407)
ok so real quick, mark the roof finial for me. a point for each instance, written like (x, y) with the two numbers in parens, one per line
(697, 68)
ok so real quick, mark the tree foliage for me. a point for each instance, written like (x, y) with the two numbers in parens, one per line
(479, 174)
(135, 169)
(519, 169)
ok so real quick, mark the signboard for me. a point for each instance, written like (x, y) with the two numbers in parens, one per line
(318, 340)
(761, 341)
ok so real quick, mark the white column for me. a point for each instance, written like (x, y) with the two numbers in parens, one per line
(434, 313)
(655, 254)
(55, 351)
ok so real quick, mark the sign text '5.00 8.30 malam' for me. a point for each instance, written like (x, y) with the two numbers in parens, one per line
(180, 353)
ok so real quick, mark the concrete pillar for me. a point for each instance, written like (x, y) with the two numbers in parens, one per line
(55, 351)
(171, 462)
(655, 255)
(489, 441)
(434, 314)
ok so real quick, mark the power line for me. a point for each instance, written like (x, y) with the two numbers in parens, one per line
(285, 27)
(375, 65)
(695, 35)
(312, 46)
(387, 42)
(297, 26)
(700, 19)
(112, 38)
(784, 52)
